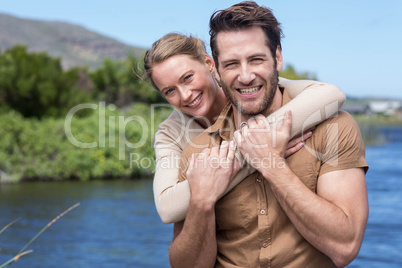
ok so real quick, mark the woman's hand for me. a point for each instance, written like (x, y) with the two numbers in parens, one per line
(210, 173)
(297, 143)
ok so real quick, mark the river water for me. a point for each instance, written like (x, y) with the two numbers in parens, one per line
(116, 224)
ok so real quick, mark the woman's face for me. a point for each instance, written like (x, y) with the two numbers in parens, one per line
(187, 84)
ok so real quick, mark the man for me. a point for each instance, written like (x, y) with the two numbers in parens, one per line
(308, 211)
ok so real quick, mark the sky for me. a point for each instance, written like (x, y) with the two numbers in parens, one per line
(354, 44)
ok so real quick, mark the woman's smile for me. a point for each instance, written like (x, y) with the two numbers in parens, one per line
(196, 102)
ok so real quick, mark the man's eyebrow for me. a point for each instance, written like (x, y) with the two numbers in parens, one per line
(262, 55)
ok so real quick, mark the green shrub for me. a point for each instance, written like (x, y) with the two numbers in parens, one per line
(118, 82)
(32, 149)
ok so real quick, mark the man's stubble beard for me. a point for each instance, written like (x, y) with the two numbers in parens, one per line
(267, 101)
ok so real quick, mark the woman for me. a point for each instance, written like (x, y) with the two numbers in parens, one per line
(179, 67)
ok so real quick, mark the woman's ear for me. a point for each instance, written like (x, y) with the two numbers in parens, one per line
(212, 68)
(210, 63)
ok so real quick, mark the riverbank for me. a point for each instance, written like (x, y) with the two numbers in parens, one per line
(104, 143)
(373, 127)
(378, 120)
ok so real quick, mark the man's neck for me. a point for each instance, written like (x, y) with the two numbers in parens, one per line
(276, 104)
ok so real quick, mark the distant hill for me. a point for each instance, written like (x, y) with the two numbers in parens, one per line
(75, 45)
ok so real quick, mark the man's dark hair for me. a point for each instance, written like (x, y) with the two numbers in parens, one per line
(243, 16)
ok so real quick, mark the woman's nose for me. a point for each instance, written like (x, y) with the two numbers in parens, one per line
(185, 94)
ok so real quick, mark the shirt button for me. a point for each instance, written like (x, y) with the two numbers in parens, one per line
(262, 211)
(258, 180)
(265, 244)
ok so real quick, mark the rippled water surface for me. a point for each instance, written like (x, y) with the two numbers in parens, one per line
(116, 224)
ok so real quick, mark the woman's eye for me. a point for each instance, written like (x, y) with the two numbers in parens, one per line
(169, 91)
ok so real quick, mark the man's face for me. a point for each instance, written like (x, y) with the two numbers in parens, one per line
(247, 70)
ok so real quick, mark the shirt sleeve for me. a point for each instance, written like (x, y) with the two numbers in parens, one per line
(312, 102)
(342, 145)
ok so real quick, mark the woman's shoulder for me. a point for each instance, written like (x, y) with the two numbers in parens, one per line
(178, 128)
(178, 120)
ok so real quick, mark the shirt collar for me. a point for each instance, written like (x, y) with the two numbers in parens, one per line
(224, 125)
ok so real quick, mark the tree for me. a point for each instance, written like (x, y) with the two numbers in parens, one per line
(141, 91)
(35, 85)
(117, 82)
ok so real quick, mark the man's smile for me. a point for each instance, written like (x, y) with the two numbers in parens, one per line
(247, 91)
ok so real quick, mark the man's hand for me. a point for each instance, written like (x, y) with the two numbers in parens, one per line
(208, 175)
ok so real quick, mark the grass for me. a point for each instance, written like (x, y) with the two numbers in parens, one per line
(370, 127)
(378, 120)
(23, 251)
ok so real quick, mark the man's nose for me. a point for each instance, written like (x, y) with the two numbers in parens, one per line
(246, 75)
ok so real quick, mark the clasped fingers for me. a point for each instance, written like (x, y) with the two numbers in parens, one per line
(210, 160)
(258, 137)
(210, 173)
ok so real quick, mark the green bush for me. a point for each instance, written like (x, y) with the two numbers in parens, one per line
(32, 149)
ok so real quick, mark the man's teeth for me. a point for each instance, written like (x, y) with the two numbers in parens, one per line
(249, 90)
(195, 101)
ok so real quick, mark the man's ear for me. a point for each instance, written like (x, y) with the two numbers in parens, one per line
(279, 59)
(218, 78)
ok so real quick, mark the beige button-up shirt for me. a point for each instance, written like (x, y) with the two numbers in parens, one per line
(252, 229)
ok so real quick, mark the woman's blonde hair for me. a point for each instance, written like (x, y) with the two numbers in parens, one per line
(170, 45)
